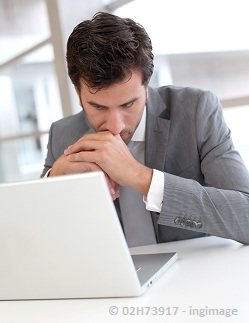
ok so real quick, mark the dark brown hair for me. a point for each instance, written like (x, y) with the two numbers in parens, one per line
(106, 49)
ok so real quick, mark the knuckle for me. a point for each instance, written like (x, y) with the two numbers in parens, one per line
(109, 135)
(74, 157)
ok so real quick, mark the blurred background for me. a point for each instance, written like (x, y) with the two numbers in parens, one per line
(200, 43)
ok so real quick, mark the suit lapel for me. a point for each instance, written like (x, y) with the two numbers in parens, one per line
(157, 131)
(156, 139)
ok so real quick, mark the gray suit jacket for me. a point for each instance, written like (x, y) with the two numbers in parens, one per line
(206, 183)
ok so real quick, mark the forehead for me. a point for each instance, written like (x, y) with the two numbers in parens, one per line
(121, 91)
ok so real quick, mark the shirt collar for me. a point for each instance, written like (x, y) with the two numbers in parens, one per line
(139, 134)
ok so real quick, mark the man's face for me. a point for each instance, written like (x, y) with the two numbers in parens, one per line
(117, 108)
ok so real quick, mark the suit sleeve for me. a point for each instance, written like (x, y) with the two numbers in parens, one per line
(50, 157)
(221, 205)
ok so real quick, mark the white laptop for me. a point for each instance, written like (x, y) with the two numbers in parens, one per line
(61, 237)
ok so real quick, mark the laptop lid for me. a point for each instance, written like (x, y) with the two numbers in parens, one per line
(60, 237)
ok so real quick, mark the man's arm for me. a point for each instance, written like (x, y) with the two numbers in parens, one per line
(220, 206)
(188, 205)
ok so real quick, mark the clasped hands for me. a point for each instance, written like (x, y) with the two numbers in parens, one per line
(108, 153)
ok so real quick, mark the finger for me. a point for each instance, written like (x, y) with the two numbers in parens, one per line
(116, 195)
(83, 156)
(90, 142)
(84, 145)
(82, 167)
(114, 191)
(113, 187)
(96, 135)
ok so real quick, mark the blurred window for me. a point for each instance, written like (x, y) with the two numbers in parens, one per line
(30, 98)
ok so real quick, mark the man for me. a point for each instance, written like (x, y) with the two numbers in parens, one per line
(166, 153)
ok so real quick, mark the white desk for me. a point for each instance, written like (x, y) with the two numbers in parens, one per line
(211, 273)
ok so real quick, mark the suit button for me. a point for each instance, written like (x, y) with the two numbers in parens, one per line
(199, 225)
(188, 223)
(178, 220)
(183, 222)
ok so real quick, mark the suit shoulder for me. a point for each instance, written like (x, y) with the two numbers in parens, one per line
(188, 99)
(69, 129)
(69, 121)
(182, 93)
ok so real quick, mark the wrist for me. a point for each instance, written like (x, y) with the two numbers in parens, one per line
(52, 172)
(142, 179)
(55, 171)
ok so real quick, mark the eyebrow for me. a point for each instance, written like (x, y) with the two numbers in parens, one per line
(105, 106)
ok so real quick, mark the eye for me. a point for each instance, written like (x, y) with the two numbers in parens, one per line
(128, 105)
(99, 107)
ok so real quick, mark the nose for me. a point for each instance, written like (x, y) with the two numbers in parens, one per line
(115, 122)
